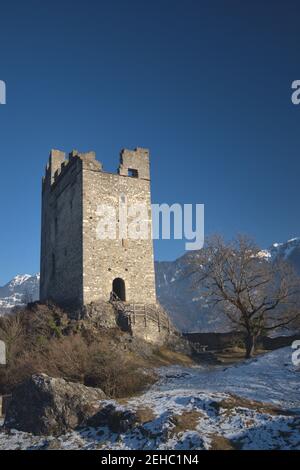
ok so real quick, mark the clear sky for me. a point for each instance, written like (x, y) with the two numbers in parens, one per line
(205, 84)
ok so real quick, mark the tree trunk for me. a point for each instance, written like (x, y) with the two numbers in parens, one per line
(250, 346)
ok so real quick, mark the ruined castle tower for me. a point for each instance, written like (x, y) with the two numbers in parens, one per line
(76, 266)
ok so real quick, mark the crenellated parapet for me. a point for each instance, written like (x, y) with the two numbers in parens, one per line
(58, 164)
(133, 163)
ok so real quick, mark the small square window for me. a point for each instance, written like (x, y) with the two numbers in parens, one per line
(133, 173)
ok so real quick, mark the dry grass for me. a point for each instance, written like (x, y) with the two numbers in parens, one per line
(144, 415)
(164, 356)
(45, 341)
(187, 421)
(234, 402)
(234, 355)
(219, 442)
(42, 339)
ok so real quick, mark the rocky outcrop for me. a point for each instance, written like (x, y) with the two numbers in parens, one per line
(118, 420)
(44, 405)
(148, 322)
(101, 313)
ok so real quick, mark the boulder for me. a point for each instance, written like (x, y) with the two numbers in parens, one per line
(44, 405)
(118, 420)
(101, 313)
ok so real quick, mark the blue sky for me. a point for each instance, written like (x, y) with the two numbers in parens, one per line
(205, 85)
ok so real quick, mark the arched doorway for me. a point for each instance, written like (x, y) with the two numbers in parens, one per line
(118, 288)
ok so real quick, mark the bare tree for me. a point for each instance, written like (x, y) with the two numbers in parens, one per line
(257, 295)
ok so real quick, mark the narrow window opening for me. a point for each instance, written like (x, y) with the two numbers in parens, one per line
(133, 173)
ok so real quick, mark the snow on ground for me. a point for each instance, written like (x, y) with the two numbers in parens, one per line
(200, 408)
(271, 378)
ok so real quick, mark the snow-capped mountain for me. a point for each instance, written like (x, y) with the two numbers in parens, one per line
(289, 251)
(20, 290)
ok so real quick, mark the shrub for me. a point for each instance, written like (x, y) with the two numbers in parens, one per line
(41, 340)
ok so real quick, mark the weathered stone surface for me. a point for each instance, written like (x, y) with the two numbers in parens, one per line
(53, 444)
(117, 420)
(148, 322)
(129, 259)
(46, 405)
(76, 266)
(101, 313)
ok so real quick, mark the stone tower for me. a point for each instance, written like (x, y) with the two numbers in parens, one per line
(76, 266)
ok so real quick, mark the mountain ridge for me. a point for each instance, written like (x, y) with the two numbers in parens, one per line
(21, 289)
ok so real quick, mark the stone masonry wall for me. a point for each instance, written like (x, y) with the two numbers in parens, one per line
(61, 244)
(105, 260)
(76, 267)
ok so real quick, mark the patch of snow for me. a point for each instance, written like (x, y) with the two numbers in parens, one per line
(204, 394)
(19, 279)
(271, 378)
(264, 254)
